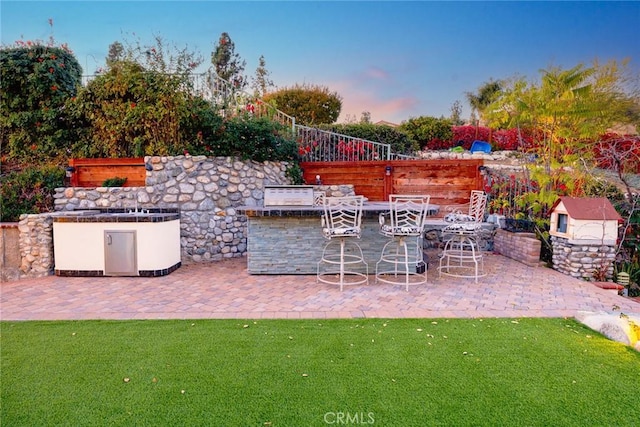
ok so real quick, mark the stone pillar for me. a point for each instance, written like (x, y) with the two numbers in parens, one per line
(9, 251)
(36, 245)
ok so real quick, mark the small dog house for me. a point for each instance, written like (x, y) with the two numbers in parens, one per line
(584, 232)
(582, 220)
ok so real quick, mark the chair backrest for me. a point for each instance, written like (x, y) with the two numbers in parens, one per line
(342, 216)
(408, 213)
(477, 205)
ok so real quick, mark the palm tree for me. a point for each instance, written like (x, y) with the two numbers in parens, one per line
(485, 95)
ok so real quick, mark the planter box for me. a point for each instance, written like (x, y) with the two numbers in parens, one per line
(93, 172)
(523, 247)
(519, 225)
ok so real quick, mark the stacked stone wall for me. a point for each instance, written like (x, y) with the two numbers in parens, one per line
(36, 245)
(523, 247)
(583, 261)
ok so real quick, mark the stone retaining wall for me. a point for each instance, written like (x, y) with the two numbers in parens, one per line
(498, 160)
(582, 260)
(523, 247)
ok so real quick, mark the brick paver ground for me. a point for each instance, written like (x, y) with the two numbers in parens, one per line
(225, 290)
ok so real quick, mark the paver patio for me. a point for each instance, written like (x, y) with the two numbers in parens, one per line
(225, 290)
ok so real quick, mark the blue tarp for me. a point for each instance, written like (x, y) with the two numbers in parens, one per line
(481, 146)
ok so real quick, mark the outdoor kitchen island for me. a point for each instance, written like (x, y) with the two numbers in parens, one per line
(116, 242)
(288, 239)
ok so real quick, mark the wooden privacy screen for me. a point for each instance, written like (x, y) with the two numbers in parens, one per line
(448, 182)
(93, 172)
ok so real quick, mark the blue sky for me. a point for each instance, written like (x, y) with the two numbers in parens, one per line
(394, 59)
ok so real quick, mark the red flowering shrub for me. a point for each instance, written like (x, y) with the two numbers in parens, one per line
(467, 134)
(615, 151)
(355, 150)
(438, 144)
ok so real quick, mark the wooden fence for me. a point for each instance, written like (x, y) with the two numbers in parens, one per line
(449, 182)
(93, 172)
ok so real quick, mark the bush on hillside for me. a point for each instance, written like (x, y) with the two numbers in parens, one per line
(130, 112)
(428, 132)
(29, 191)
(250, 138)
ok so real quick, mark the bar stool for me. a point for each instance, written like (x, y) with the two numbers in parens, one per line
(461, 255)
(401, 261)
(341, 225)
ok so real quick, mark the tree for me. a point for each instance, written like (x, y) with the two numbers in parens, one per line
(227, 63)
(116, 53)
(484, 96)
(130, 112)
(456, 113)
(160, 56)
(37, 79)
(261, 82)
(365, 117)
(310, 105)
(568, 110)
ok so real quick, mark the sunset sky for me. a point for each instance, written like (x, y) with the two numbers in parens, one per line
(394, 59)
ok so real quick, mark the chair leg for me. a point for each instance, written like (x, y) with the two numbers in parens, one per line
(339, 263)
(394, 265)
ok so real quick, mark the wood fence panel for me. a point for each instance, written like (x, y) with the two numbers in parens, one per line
(93, 172)
(449, 182)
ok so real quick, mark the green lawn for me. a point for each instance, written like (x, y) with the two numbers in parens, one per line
(394, 372)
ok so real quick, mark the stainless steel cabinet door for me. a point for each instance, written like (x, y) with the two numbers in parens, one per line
(120, 253)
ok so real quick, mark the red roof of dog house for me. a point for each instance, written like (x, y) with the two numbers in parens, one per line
(588, 208)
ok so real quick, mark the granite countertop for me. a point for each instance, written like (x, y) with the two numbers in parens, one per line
(117, 215)
(369, 209)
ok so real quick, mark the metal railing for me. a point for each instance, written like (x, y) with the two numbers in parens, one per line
(317, 145)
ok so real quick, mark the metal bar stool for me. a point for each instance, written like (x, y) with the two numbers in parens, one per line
(401, 261)
(461, 255)
(341, 225)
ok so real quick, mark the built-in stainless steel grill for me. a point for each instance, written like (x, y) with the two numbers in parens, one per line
(288, 195)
